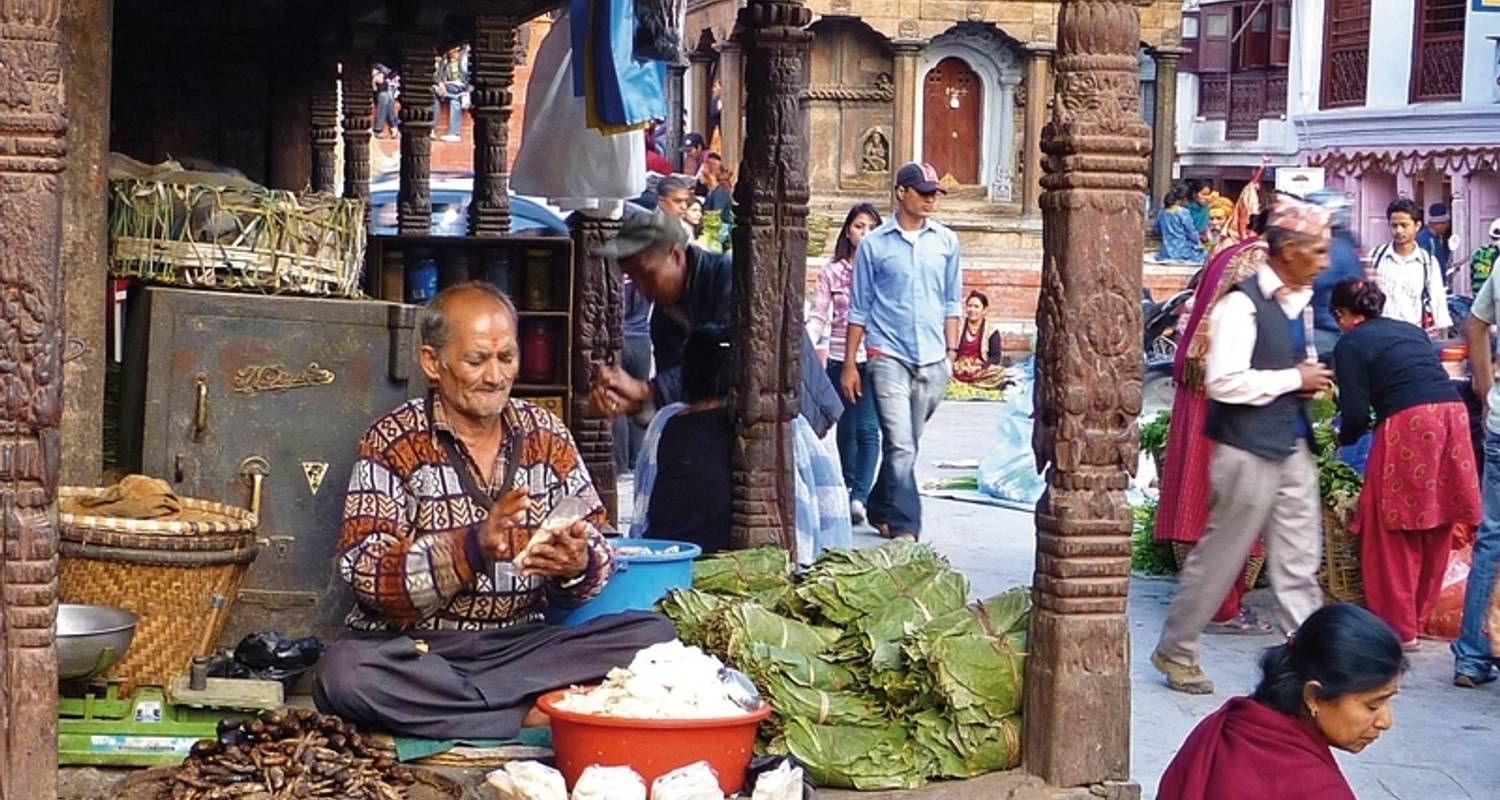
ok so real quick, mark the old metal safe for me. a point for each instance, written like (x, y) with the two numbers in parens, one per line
(221, 388)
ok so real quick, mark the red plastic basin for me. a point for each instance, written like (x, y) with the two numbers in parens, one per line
(652, 747)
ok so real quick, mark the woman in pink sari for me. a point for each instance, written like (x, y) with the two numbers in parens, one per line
(1182, 510)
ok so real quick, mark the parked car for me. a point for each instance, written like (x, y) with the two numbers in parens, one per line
(450, 208)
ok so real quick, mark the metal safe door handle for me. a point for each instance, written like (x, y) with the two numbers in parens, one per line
(253, 470)
(200, 413)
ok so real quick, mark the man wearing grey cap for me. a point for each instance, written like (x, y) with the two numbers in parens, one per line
(1434, 235)
(691, 288)
(904, 307)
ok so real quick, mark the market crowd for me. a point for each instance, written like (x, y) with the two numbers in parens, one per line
(1287, 314)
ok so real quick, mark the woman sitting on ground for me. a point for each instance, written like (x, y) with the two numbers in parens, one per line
(1180, 239)
(1420, 478)
(1329, 686)
(977, 362)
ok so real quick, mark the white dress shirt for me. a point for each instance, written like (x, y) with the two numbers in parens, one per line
(1402, 279)
(1228, 376)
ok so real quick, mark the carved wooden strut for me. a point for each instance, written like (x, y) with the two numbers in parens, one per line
(359, 99)
(414, 198)
(323, 118)
(493, 70)
(598, 337)
(1088, 396)
(32, 123)
(770, 254)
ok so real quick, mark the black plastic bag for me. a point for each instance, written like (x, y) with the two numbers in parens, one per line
(268, 656)
(658, 31)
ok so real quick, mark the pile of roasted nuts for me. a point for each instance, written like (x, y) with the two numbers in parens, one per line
(286, 754)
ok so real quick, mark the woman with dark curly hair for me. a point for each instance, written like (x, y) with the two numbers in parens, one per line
(1420, 479)
(1330, 686)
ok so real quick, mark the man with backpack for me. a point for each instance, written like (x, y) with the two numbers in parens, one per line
(1411, 277)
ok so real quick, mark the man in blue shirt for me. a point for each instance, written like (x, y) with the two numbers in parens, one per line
(904, 308)
(1434, 235)
(1343, 262)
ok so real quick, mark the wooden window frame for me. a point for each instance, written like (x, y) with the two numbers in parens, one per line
(1418, 91)
(1325, 87)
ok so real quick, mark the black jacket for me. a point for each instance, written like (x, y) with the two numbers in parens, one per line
(1391, 366)
(708, 297)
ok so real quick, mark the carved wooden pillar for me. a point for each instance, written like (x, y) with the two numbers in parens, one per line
(85, 239)
(731, 120)
(493, 70)
(675, 114)
(904, 101)
(1164, 127)
(1088, 395)
(698, 112)
(414, 198)
(323, 121)
(770, 254)
(598, 337)
(33, 120)
(359, 100)
(1038, 92)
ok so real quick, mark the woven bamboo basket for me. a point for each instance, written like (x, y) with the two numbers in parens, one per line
(1340, 574)
(238, 236)
(179, 576)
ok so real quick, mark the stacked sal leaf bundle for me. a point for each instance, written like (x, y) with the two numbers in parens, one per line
(879, 673)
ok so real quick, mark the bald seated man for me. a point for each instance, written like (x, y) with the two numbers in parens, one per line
(448, 639)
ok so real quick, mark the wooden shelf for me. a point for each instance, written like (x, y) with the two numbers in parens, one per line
(524, 314)
(539, 388)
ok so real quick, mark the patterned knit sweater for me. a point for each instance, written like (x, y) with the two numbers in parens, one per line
(410, 542)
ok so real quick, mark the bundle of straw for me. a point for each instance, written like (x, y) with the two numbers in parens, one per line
(208, 230)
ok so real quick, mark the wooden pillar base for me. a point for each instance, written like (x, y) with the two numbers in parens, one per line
(1088, 397)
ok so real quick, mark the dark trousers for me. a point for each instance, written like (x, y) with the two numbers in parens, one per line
(635, 359)
(472, 684)
(858, 435)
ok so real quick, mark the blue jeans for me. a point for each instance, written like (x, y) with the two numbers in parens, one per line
(905, 398)
(1471, 650)
(455, 111)
(385, 112)
(858, 435)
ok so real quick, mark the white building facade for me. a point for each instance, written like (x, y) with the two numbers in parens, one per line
(1390, 97)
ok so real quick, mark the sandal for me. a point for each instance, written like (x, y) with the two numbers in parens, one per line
(1180, 678)
(1246, 624)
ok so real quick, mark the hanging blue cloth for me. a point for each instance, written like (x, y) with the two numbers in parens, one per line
(622, 92)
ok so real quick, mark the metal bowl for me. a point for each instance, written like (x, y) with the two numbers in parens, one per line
(91, 638)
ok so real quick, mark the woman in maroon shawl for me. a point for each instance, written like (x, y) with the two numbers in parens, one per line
(1182, 510)
(1329, 686)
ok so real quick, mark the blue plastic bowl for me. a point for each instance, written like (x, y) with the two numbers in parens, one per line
(639, 581)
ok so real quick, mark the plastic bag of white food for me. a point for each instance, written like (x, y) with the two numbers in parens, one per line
(782, 783)
(527, 780)
(696, 781)
(609, 783)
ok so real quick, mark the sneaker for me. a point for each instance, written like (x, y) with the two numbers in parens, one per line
(1471, 681)
(1181, 678)
(856, 512)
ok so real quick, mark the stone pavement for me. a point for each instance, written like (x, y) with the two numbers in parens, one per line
(1444, 741)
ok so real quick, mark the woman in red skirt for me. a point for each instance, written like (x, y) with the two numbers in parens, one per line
(1420, 479)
